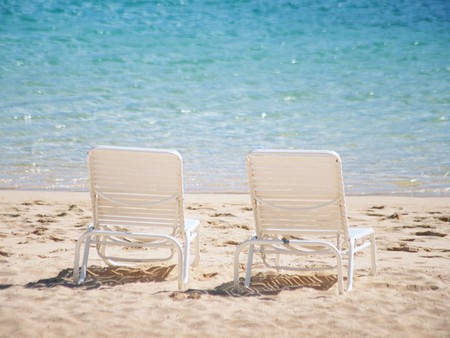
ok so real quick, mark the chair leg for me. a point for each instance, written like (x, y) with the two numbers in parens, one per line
(248, 274)
(236, 262)
(187, 253)
(340, 278)
(197, 248)
(78, 277)
(351, 255)
(76, 263)
(102, 252)
(87, 246)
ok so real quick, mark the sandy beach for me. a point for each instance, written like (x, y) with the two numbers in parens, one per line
(409, 296)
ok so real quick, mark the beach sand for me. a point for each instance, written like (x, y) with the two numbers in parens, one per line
(409, 296)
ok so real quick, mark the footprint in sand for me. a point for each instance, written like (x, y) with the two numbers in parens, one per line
(13, 215)
(37, 202)
(59, 250)
(76, 208)
(222, 214)
(219, 224)
(434, 256)
(395, 215)
(56, 239)
(231, 242)
(430, 233)
(178, 296)
(241, 226)
(198, 207)
(44, 219)
(370, 211)
(403, 247)
(374, 214)
(5, 254)
(415, 287)
(215, 223)
(378, 285)
(210, 275)
(39, 231)
(418, 226)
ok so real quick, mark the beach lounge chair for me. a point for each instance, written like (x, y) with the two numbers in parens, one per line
(299, 209)
(138, 213)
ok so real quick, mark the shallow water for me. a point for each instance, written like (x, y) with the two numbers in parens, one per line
(215, 79)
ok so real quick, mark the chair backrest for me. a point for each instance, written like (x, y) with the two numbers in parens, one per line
(297, 192)
(136, 188)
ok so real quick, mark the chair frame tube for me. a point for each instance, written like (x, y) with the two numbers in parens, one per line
(269, 242)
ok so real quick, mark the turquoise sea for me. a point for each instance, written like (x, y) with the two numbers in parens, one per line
(215, 79)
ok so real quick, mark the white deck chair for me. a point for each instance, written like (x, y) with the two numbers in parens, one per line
(299, 209)
(137, 202)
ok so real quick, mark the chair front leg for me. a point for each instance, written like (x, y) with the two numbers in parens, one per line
(87, 246)
(86, 239)
(197, 248)
(351, 256)
(248, 274)
(187, 253)
(236, 262)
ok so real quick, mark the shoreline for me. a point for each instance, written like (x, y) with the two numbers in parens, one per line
(63, 191)
(357, 200)
(407, 297)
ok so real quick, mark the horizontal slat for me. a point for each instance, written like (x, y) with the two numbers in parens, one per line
(127, 223)
(288, 197)
(295, 177)
(299, 231)
(157, 209)
(293, 214)
(123, 194)
(122, 212)
(139, 218)
(116, 152)
(140, 188)
(132, 167)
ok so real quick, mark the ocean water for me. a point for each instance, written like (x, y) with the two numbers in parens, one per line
(215, 79)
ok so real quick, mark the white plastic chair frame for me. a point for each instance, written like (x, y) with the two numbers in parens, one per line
(276, 194)
(137, 209)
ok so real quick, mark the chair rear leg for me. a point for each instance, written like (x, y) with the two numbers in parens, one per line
(248, 274)
(236, 262)
(87, 246)
(197, 248)
(351, 256)
(187, 256)
(78, 277)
